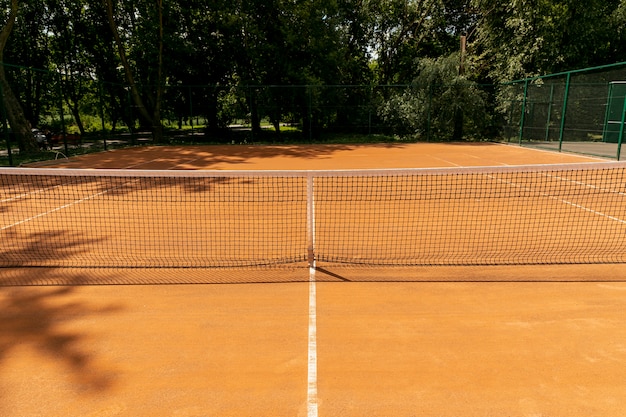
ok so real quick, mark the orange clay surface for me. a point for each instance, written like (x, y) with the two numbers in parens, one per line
(369, 156)
(444, 341)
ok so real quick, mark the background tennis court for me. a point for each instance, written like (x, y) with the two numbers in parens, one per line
(446, 340)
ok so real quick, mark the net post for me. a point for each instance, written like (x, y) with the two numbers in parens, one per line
(310, 214)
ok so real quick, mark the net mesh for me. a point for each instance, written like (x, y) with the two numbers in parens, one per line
(561, 214)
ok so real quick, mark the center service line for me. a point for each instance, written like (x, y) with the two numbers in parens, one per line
(312, 362)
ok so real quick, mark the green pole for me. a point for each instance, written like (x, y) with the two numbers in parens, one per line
(369, 111)
(621, 130)
(104, 137)
(549, 112)
(523, 115)
(564, 112)
(509, 127)
(428, 115)
(252, 104)
(310, 113)
(132, 117)
(191, 112)
(605, 127)
(63, 129)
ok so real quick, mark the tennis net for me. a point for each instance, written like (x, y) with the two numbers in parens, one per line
(543, 214)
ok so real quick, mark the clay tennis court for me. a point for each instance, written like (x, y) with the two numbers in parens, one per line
(497, 340)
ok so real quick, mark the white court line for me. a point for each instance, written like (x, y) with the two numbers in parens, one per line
(617, 219)
(584, 184)
(28, 194)
(73, 203)
(24, 195)
(463, 166)
(41, 190)
(312, 345)
(312, 361)
(552, 152)
(446, 161)
(160, 160)
(569, 203)
(54, 209)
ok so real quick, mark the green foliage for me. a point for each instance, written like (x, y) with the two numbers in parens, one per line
(520, 38)
(217, 52)
(435, 98)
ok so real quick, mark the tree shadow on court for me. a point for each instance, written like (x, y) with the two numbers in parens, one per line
(214, 156)
(51, 248)
(39, 312)
(113, 232)
(241, 155)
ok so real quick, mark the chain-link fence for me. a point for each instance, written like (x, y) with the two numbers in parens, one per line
(71, 115)
(579, 111)
(306, 112)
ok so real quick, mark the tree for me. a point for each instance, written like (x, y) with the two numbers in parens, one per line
(19, 124)
(200, 64)
(69, 53)
(287, 43)
(518, 39)
(28, 48)
(99, 60)
(400, 31)
(435, 99)
(143, 21)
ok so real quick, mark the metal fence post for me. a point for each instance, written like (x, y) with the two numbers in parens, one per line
(547, 137)
(252, 110)
(104, 138)
(564, 112)
(131, 116)
(62, 115)
(190, 111)
(370, 105)
(429, 115)
(310, 110)
(621, 131)
(523, 115)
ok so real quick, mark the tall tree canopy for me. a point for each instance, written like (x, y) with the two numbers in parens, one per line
(147, 51)
(520, 38)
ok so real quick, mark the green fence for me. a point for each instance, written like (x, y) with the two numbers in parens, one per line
(578, 111)
(304, 111)
(79, 115)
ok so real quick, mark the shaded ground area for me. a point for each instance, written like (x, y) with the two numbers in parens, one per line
(452, 341)
(384, 348)
(228, 350)
(601, 149)
(250, 157)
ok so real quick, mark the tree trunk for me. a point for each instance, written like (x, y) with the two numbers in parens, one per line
(74, 108)
(15, 114)
(255, 119)
(457, 134)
